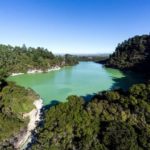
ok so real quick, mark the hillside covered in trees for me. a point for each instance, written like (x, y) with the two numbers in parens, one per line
(21, 59)
(113, 120)
(132, 54)
(94, 58)
(14, 102)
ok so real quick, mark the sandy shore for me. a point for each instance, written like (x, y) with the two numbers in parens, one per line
(32, 71)
(34, 117)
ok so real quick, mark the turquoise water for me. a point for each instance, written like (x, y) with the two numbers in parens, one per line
(82, 79)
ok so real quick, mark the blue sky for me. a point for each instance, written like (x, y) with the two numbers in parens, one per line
(73, 26)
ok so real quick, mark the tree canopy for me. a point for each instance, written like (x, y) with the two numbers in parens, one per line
(21, 59)
(14, 101)
(113, 120)
(132, 54)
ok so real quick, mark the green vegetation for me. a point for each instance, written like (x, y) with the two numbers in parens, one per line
(21, 59)
(95, 58)
(113, 120)
(70, 60)
(133, 54)
(14, 101)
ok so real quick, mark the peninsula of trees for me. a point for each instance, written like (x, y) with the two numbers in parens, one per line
(21, 59)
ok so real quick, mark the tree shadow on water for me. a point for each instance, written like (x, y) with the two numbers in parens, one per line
(52, 103)
(127, 81)
(88, 97)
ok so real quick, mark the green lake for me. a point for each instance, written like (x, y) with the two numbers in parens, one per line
(84, 79)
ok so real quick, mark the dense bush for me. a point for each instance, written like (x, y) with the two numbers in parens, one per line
(112, 120)
(14, 101)
(21, 59)
(133, 54)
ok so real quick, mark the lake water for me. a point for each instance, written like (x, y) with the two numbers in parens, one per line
(84, 79)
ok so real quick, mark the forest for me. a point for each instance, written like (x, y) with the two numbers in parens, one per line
(132, 54)
(21, 59)
(94, 58)
(112, 120)
(14, 101)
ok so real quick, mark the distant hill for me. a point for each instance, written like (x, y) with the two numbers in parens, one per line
(94, 57)
(132, 54)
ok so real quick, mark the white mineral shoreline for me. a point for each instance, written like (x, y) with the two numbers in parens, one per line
(16, 74)
(34, 117)
(32, 71)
